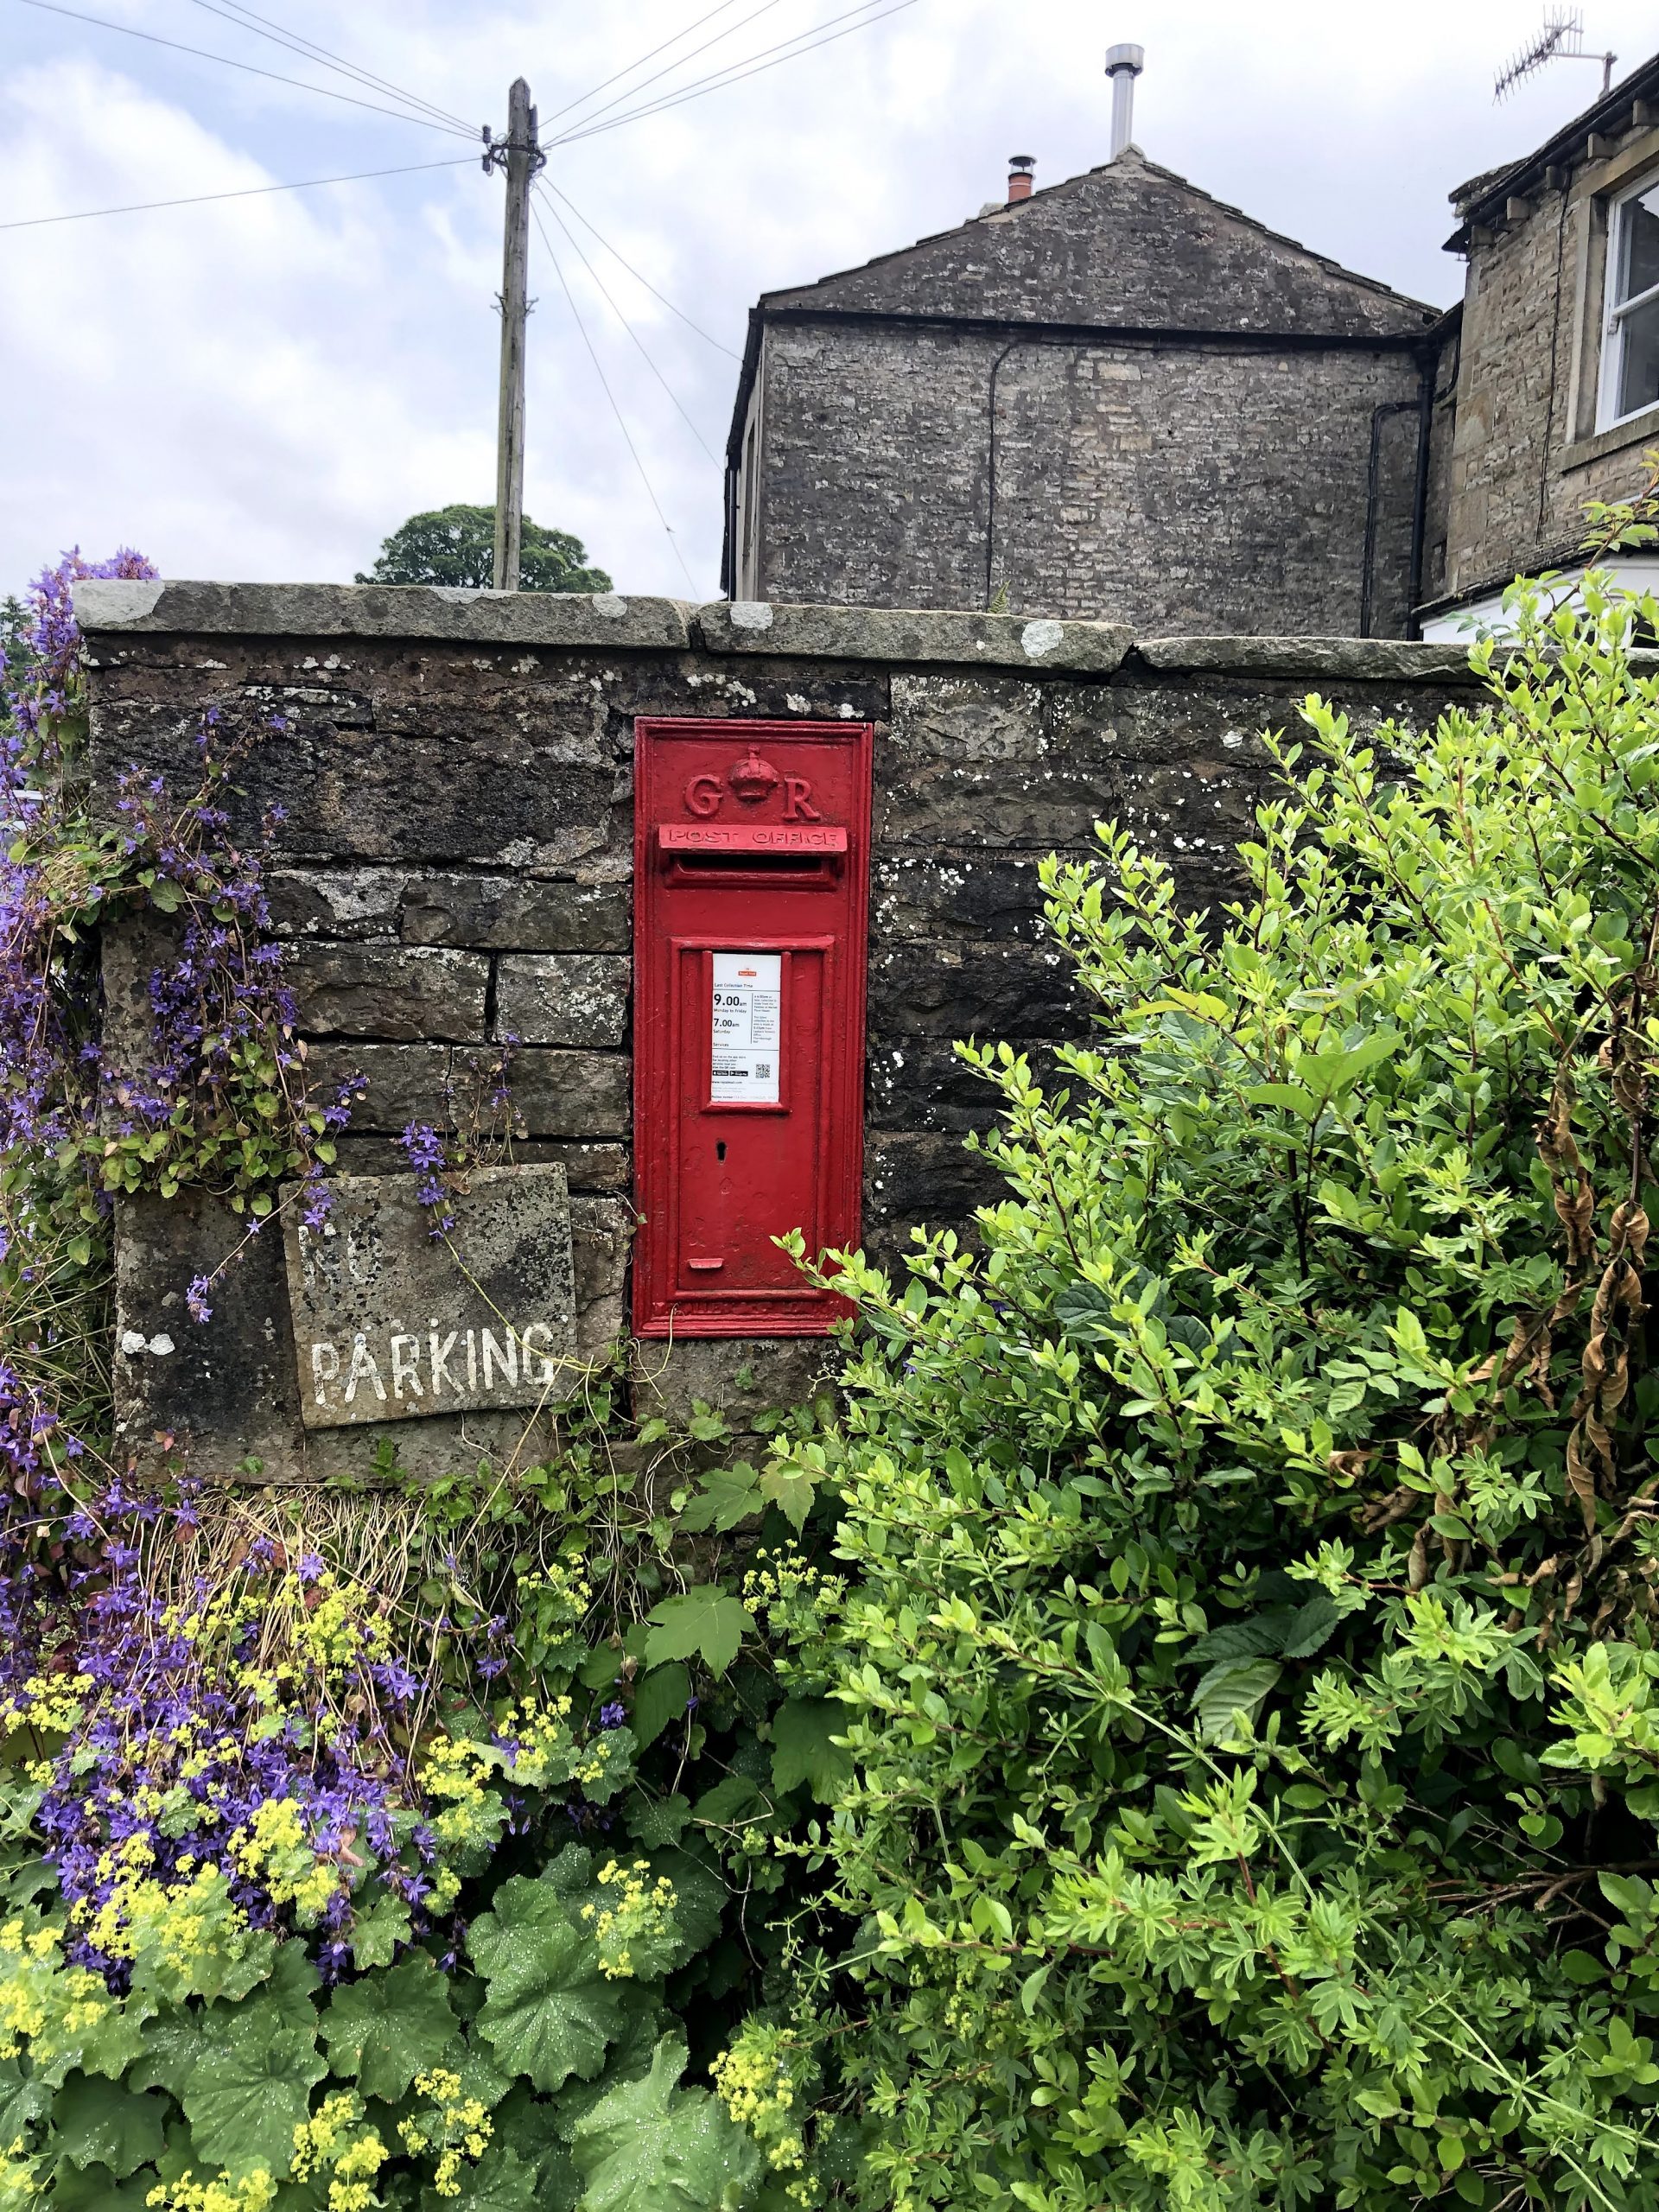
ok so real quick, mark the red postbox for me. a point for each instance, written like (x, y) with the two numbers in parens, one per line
(750, 874)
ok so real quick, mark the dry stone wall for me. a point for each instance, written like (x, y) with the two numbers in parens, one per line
(453, 868)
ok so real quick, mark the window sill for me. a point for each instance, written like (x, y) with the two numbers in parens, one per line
(1638, 430)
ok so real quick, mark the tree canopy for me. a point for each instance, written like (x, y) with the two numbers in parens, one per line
(456, 545)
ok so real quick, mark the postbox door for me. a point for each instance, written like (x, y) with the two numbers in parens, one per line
(752, 881)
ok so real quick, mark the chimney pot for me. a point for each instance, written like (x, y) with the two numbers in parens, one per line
(1123, 65)
(1020, 183)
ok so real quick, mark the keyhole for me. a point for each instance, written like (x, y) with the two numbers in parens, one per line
(720, 1150)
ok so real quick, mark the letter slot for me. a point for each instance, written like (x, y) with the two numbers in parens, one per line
(751, 873)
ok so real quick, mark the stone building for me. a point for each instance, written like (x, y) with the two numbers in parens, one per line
(1115, 397)
(1557, 381)
(459, 859)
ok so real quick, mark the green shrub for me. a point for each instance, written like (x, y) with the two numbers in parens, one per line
(1246, 1650)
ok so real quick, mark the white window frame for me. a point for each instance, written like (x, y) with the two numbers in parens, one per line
(1615, 312)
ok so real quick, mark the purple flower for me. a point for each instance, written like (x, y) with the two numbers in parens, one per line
(196, 1299)
(613, 1716)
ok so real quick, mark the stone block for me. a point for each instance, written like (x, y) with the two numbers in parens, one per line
(918, 1084)
(973, 719)
(588, 1167)
(219, 1391)
(516, 913)
(916, 1177)
(393, 1322)
(501, 799)
(601, 1232)
(134, 942)
(360, 902)
(568, 1095)
(563, 998)
(939, 989)
(739, 1378)
(890, 1245)
(390, 992)
(959, 889)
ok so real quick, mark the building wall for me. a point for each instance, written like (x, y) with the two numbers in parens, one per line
(1527, 456)
(455, 865)
(1178, 487)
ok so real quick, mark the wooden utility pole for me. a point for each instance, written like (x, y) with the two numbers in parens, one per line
(520, 156)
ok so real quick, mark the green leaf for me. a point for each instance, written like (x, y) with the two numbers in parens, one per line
(660, 1696)
(731, 1798)
(384, 2030)
(21, 2099)
(1236, 1690)
(1332, 1071)
(1581, 1966)
(1288, 1095)
(95, 2189)
(501, 2182)
(648, 2147)
(170, 2047)
(728, 1496)
(376, 1936)
(707, 1622)
(1311, 1627)
(249, 2090)
(802, 1751)
(95, 2122)
(549, 2011)
(791, 1488)
(703, 1895)
(663, 1819)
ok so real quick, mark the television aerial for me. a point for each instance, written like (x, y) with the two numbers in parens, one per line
(1562, 39)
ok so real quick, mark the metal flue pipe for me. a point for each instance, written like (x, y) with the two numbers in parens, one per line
(1123, 65)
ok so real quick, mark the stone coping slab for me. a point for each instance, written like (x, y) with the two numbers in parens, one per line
(116, 607)
(912, 636)
(894, 637)
(1375, 659)
(106, 605)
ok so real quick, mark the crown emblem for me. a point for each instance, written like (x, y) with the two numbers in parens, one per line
(753, 778)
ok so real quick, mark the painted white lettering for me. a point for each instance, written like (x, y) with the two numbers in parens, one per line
(504, 1356)
(538, 1366)
(363, 1370)
(325, 1370)
(472, 1361)
(406, 1365)
(439, 1354)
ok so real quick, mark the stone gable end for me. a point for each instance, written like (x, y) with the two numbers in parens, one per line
(1130, 243)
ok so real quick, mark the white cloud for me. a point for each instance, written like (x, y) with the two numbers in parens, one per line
(263, 387)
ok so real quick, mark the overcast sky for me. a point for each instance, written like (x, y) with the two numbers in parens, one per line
(262, 388)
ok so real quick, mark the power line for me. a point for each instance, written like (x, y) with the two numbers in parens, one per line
(738, 72)
(324, 92)
(635, 274)
(649, 363)
(247, 192)
(751, 67)
(605, 385)
(583, 98)
(668, 67)
(245, 19)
